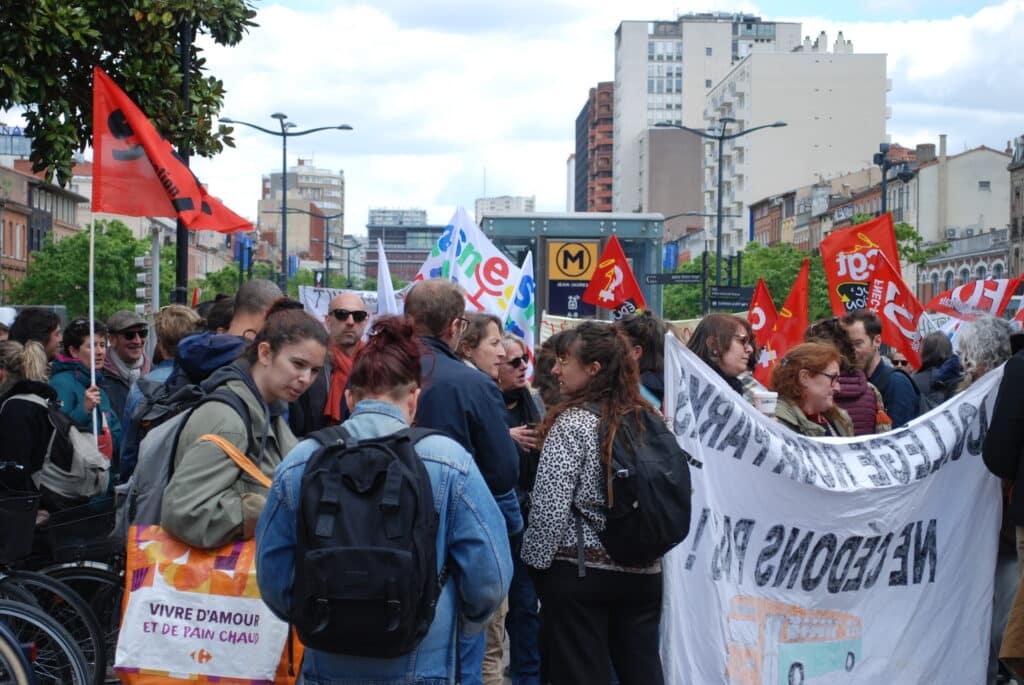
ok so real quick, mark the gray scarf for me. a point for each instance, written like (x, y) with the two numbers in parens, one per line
(129, 373)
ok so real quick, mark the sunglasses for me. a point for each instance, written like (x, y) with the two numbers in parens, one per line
(900, 362)
(139, 333)
(358, 316)
(516, 362)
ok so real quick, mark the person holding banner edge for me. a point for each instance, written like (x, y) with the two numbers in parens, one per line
(806, 380)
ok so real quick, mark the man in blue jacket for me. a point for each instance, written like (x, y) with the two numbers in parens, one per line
(466, 405)
(900, 394)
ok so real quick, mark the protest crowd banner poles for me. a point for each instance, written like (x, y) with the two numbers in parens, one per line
(464, 255)
(789, 327)
(971, 300)
(613, 285)
(522, 314)
(840, 560)
(848, 258)
(900, 311)
(138, 173)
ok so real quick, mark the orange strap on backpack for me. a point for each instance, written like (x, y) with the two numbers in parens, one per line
(240, 459)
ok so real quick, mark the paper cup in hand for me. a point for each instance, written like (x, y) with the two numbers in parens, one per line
(764, 401)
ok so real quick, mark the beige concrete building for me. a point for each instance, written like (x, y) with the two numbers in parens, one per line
(670, 179)
(833, 104)
(504, 204)
(663, 70)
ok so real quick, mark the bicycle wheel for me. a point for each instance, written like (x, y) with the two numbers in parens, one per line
(57, 659)
(15, 668)
(71, 611)
(103, 590)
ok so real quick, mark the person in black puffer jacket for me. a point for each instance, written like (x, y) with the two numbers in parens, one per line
(941, 372)
(25, 425)
(855, 395)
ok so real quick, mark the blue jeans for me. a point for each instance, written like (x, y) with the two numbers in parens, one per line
(523, 625)
(471, 658)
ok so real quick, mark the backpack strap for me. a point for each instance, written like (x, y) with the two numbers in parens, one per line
(332, 435)
(223, 396)
(240, 459)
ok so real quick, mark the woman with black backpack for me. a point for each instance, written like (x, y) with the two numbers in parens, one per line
(336, 561)
(594, 610)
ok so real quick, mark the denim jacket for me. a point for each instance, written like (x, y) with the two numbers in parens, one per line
(471, 533)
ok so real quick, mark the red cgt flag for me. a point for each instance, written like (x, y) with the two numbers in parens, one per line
(613, 285)
(137, 173)
(762, 313)
(900, 311)
(789, 327)
(847, 255)
(971, 300)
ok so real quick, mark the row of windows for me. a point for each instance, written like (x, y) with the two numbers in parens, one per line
(662, 70)
(62, 208)
(664, 49)
(981, 273)
(658, 85)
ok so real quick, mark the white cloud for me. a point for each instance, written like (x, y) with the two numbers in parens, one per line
(439, 92)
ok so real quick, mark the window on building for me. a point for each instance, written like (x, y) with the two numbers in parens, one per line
(948, 284)
(997, 270)
(935, 284)
(981, 272)
(707, 52)
(984, 185)
(707, 83)
(965, 275)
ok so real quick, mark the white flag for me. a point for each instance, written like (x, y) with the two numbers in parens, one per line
(385, 289)
(522, 314)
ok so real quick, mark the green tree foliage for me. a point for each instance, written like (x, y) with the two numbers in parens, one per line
(59, 273)
(50, 47)
(778, 265)
(225, 281)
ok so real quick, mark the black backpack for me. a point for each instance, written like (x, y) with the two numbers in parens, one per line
(366, 581)
(650, 489)
(924, 403)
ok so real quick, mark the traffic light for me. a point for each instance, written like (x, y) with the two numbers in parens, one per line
(144, 275)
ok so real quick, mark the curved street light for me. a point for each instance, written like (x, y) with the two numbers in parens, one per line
(285, 133)
(721, 136)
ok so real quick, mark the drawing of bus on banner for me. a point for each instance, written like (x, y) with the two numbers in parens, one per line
(773, 643)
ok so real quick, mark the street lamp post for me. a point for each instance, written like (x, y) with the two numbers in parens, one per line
(284, 134)
(721, 136)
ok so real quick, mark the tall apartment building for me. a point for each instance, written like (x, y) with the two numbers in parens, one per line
(664, 69)
(594, 143)
(834, 105)
(306, 185)
(407, 240)
(504, 204)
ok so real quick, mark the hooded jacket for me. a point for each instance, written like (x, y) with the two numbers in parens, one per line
(70, 379)
(862, 402)
(201, 354)
(27, 430)
(209, 501)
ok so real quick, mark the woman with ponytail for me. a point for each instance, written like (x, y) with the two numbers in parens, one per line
(24, 424)
(383, 390)
(593, 610)
(209, 501)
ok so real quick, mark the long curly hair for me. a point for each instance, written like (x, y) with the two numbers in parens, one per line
(614, 391)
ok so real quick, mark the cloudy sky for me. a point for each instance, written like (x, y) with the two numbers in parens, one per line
(452, 99)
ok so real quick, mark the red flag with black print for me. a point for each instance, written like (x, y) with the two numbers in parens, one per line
(894, 303)
(137, 173)
(789, 327)
(613, 285)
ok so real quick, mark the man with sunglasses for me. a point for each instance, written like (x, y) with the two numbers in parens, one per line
(126, 357)
(323, 403)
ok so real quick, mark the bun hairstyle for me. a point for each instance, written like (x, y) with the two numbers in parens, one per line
(389, 364)
(287, 323)
(22, 362)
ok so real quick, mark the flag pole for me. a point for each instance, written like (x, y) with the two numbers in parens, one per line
(92, 324)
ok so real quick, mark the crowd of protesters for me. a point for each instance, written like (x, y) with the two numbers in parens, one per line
(518, 466)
